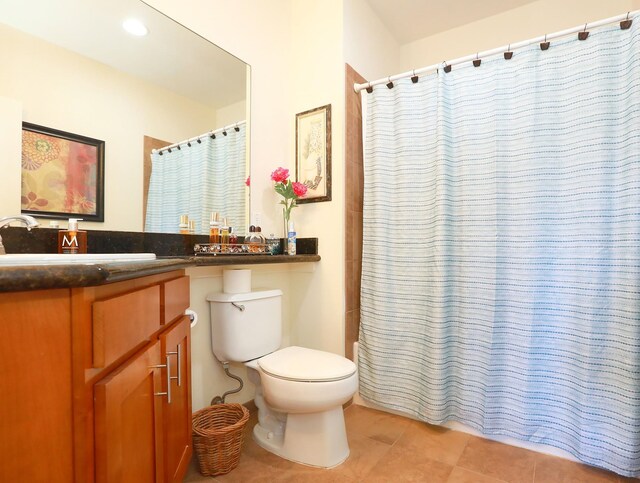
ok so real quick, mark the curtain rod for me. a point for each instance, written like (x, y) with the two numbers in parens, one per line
(624, 19)
(223, 130)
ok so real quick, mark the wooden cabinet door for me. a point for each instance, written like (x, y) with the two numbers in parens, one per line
(128, 420)
(176, 344)
(36, 441)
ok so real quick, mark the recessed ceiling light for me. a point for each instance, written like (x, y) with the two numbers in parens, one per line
(135, 27)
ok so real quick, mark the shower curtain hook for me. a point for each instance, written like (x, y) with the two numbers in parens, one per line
(446, 68)
(389, 84)
(236, 128)
(625, 24)
(544, 45)
(189, 143)
(213, 136)
(224, 132)
(584, 34)
(477, 61)
(508, 54)
(369, 88)
(414, 77)
(199, 141)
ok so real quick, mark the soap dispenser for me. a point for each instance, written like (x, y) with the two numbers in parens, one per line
(72, 240)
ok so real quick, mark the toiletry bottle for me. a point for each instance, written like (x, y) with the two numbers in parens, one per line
(192, 227)
(224, 232)
(233, 238)
(72, 240)
(214, 228)
(251, 239)
(262, 241)
(184, 224)
(273, 245)
(291, 239)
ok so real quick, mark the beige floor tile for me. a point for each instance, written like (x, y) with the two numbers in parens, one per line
(408, 466)
(365, 454)
(378, 425)
(461, 475)
(550, 469)
(501, 461)
(436, 442)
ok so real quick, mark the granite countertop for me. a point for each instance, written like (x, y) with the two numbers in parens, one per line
(35, 277)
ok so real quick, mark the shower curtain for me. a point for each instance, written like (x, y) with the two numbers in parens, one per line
(501, 247)
(198, 180)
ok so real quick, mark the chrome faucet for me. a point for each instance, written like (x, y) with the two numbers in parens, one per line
(28, 221)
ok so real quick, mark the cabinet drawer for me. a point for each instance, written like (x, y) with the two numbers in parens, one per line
(123, 322)
(175, 298)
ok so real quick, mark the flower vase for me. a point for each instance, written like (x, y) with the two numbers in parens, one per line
(285, 233)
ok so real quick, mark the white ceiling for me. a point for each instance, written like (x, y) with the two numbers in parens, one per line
(170, 56)
(410, 20)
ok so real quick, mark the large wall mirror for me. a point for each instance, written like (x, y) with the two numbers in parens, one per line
(72, 67)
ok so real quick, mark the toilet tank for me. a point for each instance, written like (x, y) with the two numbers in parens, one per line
(245, 326)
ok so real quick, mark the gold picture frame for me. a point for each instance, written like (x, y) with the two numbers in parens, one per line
(313, 153)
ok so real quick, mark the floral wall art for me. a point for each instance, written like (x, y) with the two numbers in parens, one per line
(313, 153)
(62, 174)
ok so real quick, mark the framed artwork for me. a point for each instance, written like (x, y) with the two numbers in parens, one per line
(62, 174)
(313, 153)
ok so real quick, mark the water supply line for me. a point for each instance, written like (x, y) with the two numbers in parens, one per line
(220, 399)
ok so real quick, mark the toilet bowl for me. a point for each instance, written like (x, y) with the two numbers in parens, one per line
(299, 391)
(299, 395)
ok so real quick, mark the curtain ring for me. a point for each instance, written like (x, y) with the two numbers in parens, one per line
(584, 34)
(625, 24)
(369, 88)
(508, 54)
(236, 128)
(477, 61)
(389, 84)
(189, 143)
(446, 68)
(199, 141)
(544, 45)
(414, 77)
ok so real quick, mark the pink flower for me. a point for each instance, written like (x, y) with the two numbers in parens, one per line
(299, 189)
(248, 181)
(280, 175)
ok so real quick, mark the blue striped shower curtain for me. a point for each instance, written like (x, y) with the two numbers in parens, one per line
(198, 180)
(501, 251)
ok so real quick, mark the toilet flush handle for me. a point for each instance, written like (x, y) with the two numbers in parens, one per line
(240, 307)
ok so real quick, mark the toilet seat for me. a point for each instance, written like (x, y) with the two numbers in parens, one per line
(306, 365)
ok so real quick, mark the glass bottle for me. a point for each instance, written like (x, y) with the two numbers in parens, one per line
(214, 228)
(224, 232)
(184, 224)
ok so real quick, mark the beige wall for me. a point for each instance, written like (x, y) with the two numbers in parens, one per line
(526, 22)
(60, 89)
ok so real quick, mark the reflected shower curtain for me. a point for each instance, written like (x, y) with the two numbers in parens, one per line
(198, 180)
(501, 251)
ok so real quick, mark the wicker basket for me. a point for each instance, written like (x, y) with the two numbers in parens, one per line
(217, 437)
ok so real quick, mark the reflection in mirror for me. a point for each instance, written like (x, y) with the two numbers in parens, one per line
(74, 68)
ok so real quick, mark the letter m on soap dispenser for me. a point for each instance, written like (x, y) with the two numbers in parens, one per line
(72, 240)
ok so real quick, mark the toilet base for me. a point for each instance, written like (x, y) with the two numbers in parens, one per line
(314, 439)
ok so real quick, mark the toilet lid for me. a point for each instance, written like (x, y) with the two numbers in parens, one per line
(301, 364)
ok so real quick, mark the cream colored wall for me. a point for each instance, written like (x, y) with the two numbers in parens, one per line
(368, 46)
(230, 114)
(318, 74)
(528, 21)
(10, 140)
(75, 94)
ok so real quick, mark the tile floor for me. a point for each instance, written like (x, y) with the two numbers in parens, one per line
(389, 448)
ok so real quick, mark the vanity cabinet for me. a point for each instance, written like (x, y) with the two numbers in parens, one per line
(85, 379)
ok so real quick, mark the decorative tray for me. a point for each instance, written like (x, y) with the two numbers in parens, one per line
(235, 249)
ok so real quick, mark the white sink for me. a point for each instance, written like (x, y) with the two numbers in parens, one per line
(15, 259)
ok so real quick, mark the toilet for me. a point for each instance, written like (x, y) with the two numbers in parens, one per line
(299, 391)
